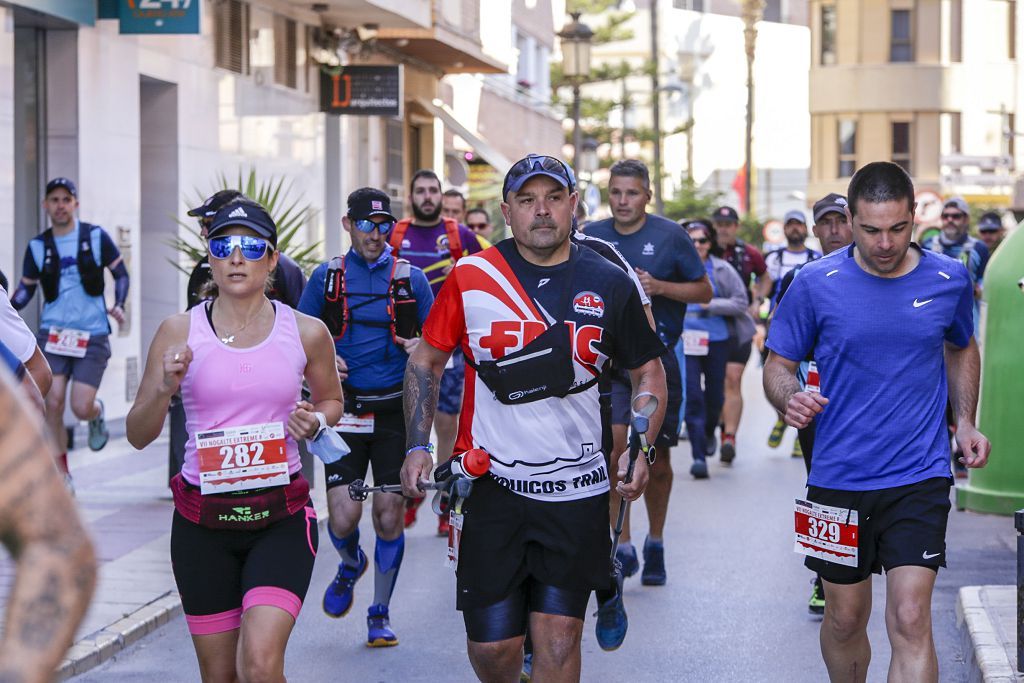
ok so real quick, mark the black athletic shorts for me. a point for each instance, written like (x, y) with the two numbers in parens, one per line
(901, 526)
(622, 397)
(383, 450)
(509, 540)
(220, 573)
(739, 353)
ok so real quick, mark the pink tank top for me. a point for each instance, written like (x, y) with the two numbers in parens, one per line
(228, 387)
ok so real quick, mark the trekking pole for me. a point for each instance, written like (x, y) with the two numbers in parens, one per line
(359, 491)
(643, 406)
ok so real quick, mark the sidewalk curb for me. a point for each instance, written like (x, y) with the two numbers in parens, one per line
(93, 650)
(985, 655)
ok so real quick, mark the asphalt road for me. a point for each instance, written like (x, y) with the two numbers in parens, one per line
(734, 608)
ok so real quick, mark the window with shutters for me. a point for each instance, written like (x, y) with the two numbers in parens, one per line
(231, 31)
(285, 51)
(901, 37)
(901, 145)
(828, 35)
(847, 147)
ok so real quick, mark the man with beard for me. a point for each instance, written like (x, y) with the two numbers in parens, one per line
(433, 244)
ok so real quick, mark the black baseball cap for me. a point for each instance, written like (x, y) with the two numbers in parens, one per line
(829, 203)
(725, 214)
(533, 165)
(372, 205)
(66, 183)
(248, 215)
(214, 203)
(990, 222)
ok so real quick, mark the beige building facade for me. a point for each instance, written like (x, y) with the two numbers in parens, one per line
(934, 85)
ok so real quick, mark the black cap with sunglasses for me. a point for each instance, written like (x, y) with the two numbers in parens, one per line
(247, 214)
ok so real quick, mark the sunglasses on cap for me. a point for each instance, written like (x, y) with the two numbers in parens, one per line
(252, 248)
(368, 226)
(534, 163)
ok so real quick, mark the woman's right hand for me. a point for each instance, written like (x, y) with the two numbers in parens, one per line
(176, 361)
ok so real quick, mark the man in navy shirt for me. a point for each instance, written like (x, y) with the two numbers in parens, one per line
(367, 299)
(672, 274)
(888, 324)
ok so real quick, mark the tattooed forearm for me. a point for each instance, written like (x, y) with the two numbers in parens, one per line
(422, 385)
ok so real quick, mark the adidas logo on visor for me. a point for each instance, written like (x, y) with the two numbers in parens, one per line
(238, 213)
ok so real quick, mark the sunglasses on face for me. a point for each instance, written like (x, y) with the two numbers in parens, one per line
(700, 240)
(252, 248)
(476, 226)
(952, 216)
(368, 226)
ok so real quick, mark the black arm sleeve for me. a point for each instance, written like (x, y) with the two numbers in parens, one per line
(121, 280)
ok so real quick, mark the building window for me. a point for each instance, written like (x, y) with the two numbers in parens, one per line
(955, 135)
(231, 31)
(901, 151)
(394, 131)
(901, 45)
(847, 147)
(828, 35)
(286, 51)
(956, 30)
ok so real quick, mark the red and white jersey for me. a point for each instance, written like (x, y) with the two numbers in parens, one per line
(493, 304)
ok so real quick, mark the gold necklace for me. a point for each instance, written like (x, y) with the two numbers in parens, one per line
(230, 338)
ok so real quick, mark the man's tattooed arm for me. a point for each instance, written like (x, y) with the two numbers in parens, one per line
(56, 567)
(422, 385)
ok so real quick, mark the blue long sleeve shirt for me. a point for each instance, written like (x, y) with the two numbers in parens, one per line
(375, 361)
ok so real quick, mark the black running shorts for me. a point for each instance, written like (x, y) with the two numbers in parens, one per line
(509, 539)
(899, 526)
(383, 450)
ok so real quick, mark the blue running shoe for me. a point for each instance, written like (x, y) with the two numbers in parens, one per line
(626, 555)
(98, 434)
(654, 564)
(611, 622)
(378, 628)
(338, 596)
(527, 673)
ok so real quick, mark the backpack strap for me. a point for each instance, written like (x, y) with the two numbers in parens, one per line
(49, 270)
(398, 235)
(335, 310)
(451, 228)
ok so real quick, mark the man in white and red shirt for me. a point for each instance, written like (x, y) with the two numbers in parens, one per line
(537, 318)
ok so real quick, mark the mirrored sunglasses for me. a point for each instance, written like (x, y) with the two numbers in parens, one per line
(252, 248)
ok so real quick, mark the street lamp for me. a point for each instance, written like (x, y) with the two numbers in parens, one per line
(753, 11)
(576, 38)
(588, 156)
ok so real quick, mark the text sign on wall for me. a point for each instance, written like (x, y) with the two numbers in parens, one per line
(159, 16)
(362, 91)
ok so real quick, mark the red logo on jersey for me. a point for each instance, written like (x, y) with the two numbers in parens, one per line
(511, 335)
(588, 303)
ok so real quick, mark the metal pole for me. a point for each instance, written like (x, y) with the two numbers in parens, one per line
(659, 204)
(577, 134)
(625, 107)
(1018, 522)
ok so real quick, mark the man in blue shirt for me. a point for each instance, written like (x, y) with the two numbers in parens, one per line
(887, 323)
(68, 260)
(672, 275)
(374, 305)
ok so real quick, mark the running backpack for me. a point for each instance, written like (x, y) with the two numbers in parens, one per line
(401, 302)
(90, 272)
(451, 229)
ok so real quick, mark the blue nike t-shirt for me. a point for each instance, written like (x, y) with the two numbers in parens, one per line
(879, 346)
(663, 249)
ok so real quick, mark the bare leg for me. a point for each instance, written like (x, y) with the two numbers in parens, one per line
(55, 412)
(732, 409)
(83, 401)
(556, 649)
(908, 620)
(659, 487)
(844, 631)
(497, 662)
(261, 644)
(216, 655)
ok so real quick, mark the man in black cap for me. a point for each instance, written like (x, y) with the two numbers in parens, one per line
(374, 304)
(288, 279)
(991, 231)
(68, 260)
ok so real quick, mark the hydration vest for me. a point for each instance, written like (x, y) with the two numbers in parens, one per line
(401, 302)
(90, 272)
(451, 229)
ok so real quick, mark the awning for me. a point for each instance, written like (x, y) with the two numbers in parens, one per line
(480, 145)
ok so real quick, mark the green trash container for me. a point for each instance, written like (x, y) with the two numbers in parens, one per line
(999, 487)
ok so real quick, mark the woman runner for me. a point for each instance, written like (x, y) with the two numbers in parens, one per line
(244, 535)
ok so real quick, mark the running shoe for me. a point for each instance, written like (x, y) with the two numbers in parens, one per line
(728, 451)
(626, 555)
(443, 525)
(412, 506)
(611, 622)
(817, 602)
(710, 446)
(654, 563)
(527, 674)
(699, 468)
(775, 438)
(98, 434)
(798, 450)
(339, 595)
(378, 628)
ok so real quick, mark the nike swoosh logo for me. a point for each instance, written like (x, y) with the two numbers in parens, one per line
(926, 555)
(919, 304)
